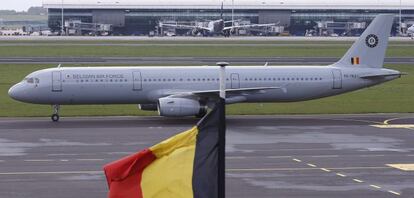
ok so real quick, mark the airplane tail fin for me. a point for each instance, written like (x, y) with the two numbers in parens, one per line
(369, 50)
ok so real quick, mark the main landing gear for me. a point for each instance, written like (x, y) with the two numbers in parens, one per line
(55, 117)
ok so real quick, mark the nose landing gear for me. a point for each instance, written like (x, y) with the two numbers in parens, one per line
(55, 117)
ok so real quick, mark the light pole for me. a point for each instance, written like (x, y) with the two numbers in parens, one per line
(62, 23)
(232, 13)
(400, 29)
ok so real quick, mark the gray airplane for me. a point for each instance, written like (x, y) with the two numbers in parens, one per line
(188, 91)
(410, 31)
(216, 27)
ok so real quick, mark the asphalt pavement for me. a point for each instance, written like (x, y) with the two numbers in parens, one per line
(267, 156)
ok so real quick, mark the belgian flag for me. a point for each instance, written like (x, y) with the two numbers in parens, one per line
(355, 61)
(186, 165)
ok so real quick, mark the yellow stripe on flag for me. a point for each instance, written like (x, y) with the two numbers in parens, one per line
(171, 174)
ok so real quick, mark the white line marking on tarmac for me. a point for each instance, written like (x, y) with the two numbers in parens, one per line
(236, 157)
(90, 159)
(52, 173)
(371, 155)
(323, 156)
(297, 160)
(341, 175)
(326, 170)
(39, 160)
(375, 186)
(354, 120)
(312, 165)
(393, 192)
(276, 157)
(63, 154)
(64, 160)
(359, 181)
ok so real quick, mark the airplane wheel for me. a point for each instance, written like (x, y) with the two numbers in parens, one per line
(55, 118)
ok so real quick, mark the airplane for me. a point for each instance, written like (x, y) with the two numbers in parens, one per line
(215, 27)
(190, 91)
(410, 31)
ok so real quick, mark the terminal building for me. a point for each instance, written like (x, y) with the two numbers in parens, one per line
(299, 17)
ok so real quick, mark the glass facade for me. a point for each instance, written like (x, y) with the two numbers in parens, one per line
(141, 22)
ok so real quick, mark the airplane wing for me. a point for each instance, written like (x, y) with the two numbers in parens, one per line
(229, 93)
(184, 26)
(248, 26)
(243, 91)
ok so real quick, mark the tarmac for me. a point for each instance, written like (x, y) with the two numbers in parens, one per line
(370, 156)
(186, 60)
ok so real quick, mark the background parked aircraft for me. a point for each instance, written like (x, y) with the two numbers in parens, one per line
(410, 31)
(216, 27)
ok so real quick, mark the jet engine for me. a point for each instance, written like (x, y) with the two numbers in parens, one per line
(179, 107)
(148, 107)
(195, 32)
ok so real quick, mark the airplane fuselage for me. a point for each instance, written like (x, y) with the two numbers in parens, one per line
(146, 85)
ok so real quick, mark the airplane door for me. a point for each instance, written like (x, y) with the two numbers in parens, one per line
(337, 79)
(235, 81)
(137, 80)
(56, 81)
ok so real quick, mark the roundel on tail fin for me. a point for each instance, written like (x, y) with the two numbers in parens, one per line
(372, 40)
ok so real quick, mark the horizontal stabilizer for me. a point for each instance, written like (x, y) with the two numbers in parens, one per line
(381, 75)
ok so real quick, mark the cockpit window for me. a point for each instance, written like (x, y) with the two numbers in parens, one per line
(32, 80)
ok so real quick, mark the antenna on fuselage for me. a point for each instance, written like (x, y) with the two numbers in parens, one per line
(60, 65)
(266, 64)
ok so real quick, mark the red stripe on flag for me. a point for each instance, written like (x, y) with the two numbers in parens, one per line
(124, 176)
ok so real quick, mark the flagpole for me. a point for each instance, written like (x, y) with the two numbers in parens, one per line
(222, 133)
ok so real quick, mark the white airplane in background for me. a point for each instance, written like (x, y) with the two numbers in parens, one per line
(216, 27)
(189, 91)
(410, 31)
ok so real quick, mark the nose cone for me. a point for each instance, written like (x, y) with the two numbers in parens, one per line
(12, 92)
(16, 93)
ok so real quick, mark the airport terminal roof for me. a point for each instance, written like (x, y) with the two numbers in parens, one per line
(238, 4)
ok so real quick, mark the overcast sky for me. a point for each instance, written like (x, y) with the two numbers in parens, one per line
(19, 5)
